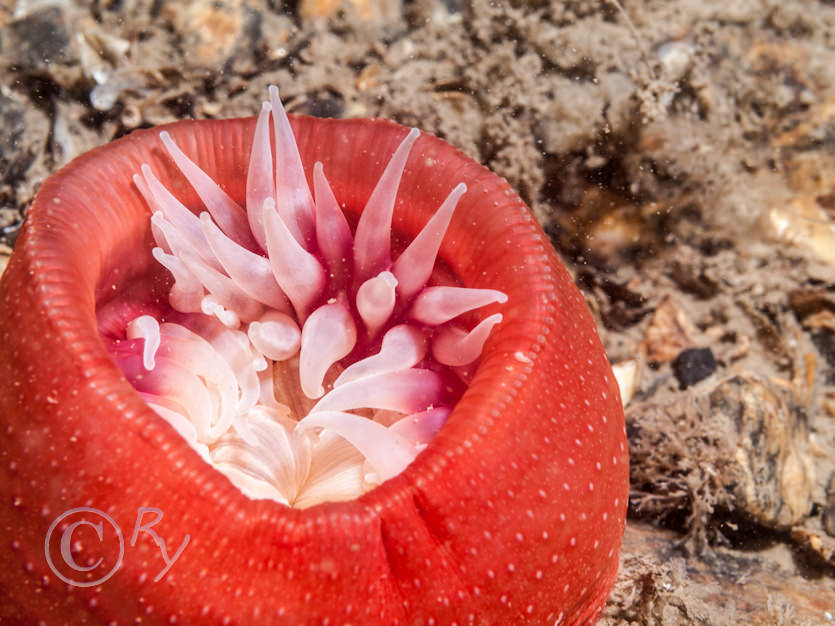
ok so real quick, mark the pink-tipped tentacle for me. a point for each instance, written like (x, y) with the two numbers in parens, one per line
(297, 271)
(333, 235)
(187, 292)
(437, 305)
(183, 221)
(275, 335)
(403, 346)
(455, 346)
(251, 272)
(415, 264)
(226, 291)
(372, 240)
(375, 301)
(408, 391)
(226, 212)
(260, 183)
(328, 335)
(292, 194)
(146, 328)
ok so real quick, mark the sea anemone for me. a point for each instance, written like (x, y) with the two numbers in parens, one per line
(340, 359)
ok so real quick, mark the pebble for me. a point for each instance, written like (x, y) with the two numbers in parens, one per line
(693, 365)
(771, 475)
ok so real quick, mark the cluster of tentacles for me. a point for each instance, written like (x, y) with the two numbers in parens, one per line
(300, 359)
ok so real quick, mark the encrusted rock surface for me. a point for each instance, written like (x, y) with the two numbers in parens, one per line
(772, 472)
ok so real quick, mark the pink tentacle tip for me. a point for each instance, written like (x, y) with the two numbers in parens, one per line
(146, 328)
(328, 335)
(437, 305)
(292, 197)
(275, 335)
(375, 301)
(455, 347)
(260, 183)
(414, 266)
